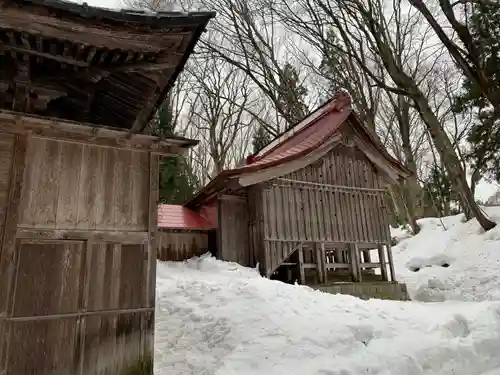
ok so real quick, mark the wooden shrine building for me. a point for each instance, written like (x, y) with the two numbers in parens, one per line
(79, 182)
(311, 206)
(184, 233)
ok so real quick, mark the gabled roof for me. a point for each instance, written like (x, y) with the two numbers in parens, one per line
(93, 65)
(308, 136)
(172, 216)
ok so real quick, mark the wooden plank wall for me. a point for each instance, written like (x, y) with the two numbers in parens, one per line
(80, 304)
(179, 246)
(6, 154)
(233, 235)
(82, 187)
(256, 226)
(6, 159)
(325, 202)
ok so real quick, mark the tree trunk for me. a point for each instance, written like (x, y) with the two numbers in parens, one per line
(410, 188)
(411, 212)
(451, 162)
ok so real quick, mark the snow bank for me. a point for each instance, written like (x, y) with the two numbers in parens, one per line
(459, 263)
(217, 318)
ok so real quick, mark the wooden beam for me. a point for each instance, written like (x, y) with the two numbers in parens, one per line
(319, 264)
(391, 262)
(168, 61)
(323, 263)
(16, 123)
(7, 250)
(32, 52)
(383, 267)
(124, 237)
(154, 186)
(355, 263)
(232, 198)
(302, 275)
(61, 29)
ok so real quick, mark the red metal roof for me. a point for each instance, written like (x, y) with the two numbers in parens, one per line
(172, 216)
(311, 133)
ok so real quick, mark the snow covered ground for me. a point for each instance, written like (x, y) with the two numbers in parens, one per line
(473, 258)
(217, 318)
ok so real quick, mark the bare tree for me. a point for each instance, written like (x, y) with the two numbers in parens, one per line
(467, 55)
(366, 28)
(222, 123)
(247, 35)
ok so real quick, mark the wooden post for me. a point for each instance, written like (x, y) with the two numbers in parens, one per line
(355, 262)
(150, 258)
(391, 262)
(319, 263)
(323, 262)
(381, 258)
(368, 259)
(8, 252)
(302, 274)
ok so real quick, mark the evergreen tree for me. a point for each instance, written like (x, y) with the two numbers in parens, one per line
(260, 139)
(438, 192)
(176, 178)
(291, 95)
(484, 136)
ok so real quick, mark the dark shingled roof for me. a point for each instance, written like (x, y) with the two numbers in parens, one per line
(101, 66)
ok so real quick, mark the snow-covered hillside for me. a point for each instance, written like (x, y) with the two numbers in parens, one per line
(450, 260)
(217, 318)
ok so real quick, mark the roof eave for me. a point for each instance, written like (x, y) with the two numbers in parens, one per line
(151, 19)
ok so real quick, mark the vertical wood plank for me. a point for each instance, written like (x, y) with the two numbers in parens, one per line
(152, 228)
(301, 265)
(319, 263)
(69, 179)
(137, 196)
(103, 208)
(355, 268)
(126, 188)
(12, 216)
(47, 184)
(323, 263)
(109, 166)
(83, 209)
(383, 266)
(119, 189)
(391, 261)
(299, 208)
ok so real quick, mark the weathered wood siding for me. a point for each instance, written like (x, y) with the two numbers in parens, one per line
(179, 246)
(83, 187)
(6, 159)
(79, 255)
(6, 154)
(338, 199)
(256, 225)
(233, 235)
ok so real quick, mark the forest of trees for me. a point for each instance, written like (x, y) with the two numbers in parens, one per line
(424, 74)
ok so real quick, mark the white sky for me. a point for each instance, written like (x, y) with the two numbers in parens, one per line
(100, 3)
(483, 191)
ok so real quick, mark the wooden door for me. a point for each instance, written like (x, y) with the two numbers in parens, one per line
(79, 307)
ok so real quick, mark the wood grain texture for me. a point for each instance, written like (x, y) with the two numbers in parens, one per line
(233, 226)
(179, 246)
(80, 261)
(336, 200)
(71, 186)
